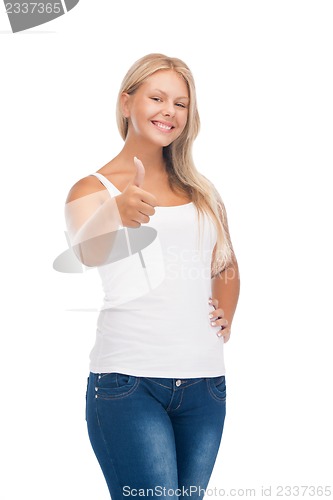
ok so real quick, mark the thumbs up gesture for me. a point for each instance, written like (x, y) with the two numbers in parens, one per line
(134, 204)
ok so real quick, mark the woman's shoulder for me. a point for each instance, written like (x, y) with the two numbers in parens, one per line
(85, 186)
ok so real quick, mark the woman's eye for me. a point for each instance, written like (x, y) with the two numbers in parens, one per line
(181, 105)
(156, 98)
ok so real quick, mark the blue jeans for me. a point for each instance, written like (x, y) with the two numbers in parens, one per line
(157, 435)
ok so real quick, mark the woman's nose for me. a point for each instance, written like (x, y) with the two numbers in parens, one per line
(169, 110)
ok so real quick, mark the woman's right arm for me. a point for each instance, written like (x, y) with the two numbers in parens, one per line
(92, 219)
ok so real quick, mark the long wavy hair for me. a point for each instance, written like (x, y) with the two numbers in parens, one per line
(182, 173)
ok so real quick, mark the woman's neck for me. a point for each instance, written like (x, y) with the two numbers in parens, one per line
(151, 157)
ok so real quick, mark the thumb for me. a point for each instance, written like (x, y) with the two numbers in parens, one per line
(140, 172)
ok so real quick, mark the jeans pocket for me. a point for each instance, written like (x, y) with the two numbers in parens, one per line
(217, 387)
(114, 385)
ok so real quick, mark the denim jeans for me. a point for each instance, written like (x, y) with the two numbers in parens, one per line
(157, 435)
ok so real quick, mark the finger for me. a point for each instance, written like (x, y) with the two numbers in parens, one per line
(220, 322)
(144, 207)
(141, 218)
(214, 302)
(217, 313)
(140, 172)
(148, 199)
(224, 334)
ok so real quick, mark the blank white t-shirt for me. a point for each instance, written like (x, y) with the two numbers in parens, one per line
(154, 319)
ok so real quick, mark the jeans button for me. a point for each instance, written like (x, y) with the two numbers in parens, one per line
(178, 382)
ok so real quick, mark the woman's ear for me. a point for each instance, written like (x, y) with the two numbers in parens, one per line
(124, 101)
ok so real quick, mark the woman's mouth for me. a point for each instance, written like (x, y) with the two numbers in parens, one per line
(163, 127)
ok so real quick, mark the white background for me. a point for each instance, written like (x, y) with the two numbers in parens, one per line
(264, 79)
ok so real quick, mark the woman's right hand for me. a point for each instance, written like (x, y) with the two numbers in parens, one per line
(134, 204)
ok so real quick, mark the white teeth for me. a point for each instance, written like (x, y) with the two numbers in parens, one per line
(161, 125)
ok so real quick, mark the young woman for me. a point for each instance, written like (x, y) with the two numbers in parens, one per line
(157, 230)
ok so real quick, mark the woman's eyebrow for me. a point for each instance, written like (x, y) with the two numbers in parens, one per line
(164, 93)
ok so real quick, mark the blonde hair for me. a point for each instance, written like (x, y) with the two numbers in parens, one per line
(182, 173)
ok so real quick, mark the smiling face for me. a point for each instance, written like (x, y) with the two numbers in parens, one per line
(157, 111)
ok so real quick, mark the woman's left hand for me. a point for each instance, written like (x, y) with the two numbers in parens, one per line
(217, 319)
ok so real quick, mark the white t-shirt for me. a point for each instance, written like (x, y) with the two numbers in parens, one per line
(154, 320)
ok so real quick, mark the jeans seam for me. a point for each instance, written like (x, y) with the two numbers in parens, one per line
(180, 401)
(106, 446)
(131, 390)
(170, 388)
(222, 399)
(169, 409)
(196, 382)
(158, 383)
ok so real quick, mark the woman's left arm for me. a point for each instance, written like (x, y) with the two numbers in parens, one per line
(225, 293)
